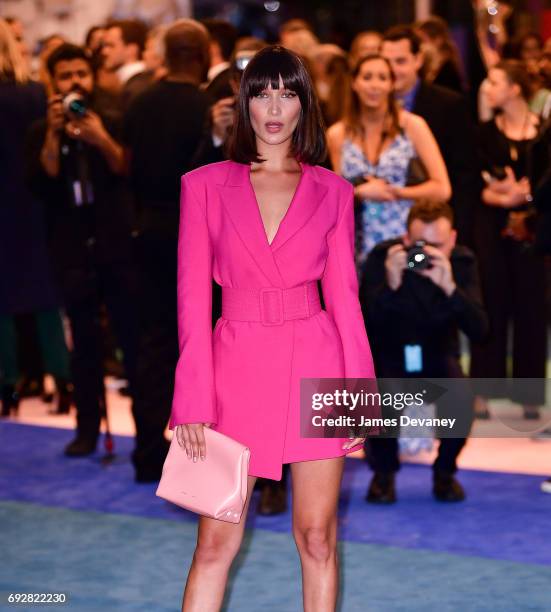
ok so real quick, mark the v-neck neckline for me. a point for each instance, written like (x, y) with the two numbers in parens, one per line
(300, 181)
(381, 154)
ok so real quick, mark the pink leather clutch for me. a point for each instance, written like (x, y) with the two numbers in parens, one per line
(215, 487)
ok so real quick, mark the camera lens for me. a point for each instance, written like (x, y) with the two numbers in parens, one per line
(417, 258)
(75, 104)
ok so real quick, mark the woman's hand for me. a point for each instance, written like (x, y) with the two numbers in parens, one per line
(504, 185)
(191, 437)
(375, 189)
(352, 442)
(520, 193)
(507, 193)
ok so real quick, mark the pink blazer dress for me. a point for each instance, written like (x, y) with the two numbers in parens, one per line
(244, 376)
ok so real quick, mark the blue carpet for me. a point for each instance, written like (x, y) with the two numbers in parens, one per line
(505, 517)
(120, 563)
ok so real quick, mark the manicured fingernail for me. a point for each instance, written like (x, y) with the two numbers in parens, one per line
(194, 458)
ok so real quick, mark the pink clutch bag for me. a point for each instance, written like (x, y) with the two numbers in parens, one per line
(215, 487)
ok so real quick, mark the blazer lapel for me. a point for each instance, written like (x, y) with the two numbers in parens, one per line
(308, 196)
(238, 199)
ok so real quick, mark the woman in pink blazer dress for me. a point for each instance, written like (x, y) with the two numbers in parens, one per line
(267, 225)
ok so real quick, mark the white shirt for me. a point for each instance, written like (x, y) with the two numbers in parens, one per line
(214, 71)
(127, 71)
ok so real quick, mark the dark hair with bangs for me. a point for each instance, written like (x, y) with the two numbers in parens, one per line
(308, 140)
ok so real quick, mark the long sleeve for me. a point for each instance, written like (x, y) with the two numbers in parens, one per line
(430, 308)
(38, 182)
(380, 304)
(340, 293)
(194, 394)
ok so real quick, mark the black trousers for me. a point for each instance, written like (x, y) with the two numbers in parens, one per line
(382, 452)
(513, 285)
(158, 341)
(115, 286)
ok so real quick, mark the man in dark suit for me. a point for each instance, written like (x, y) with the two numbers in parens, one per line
(122, 52)
(223, 36)
(447, 115)
(161, 139)
(412, 318)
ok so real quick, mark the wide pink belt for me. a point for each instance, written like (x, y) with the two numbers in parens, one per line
(271, 305)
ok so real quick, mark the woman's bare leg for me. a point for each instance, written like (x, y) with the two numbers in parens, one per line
(218, 543)
(316, 487)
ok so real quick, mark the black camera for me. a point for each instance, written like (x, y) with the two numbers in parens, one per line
(239, 63)
(417, 257)
(241, 60)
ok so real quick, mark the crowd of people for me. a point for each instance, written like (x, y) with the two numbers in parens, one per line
(94, 139)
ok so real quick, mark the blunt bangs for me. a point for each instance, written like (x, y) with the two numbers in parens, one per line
(266, 69)
(263, 71)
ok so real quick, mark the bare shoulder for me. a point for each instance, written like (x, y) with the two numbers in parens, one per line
(412, 124)
(335, 134)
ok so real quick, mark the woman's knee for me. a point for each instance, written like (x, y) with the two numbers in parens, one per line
(317, 543)
(215, 549)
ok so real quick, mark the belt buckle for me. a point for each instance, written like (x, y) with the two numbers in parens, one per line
(263, 308)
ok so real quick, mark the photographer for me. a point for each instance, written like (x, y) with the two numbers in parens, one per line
(416, 293)
(74, 165)
(220, 118)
